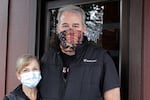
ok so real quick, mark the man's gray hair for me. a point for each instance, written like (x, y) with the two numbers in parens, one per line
(71, 8)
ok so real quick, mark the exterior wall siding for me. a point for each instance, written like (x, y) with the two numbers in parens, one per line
(146, 50)
(135, 49)
(17, 38)
(3, 44)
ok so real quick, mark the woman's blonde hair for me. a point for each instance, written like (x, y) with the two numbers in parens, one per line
(24, 61)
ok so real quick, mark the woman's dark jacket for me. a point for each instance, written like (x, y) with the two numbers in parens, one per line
(18, 94)
(91, 73)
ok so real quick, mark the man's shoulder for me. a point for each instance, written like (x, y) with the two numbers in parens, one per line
(49, 54)
(96, 49)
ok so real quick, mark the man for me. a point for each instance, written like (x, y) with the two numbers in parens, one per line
(74, 69)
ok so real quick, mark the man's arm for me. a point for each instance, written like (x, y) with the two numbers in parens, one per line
(113, 94)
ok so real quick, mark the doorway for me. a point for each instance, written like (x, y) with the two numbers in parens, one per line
(105, 15)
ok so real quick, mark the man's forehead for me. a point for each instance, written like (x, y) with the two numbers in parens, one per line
(72, 24)
(68, 14)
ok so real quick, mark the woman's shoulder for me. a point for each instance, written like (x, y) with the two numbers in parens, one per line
(16, 94)
(9, 96)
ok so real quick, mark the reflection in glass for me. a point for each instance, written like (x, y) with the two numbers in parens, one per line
(94, 22)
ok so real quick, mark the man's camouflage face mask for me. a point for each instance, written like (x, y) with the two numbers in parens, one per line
(70, 38)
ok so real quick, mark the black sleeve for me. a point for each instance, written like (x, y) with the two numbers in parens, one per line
(111, 77)
(9, 96)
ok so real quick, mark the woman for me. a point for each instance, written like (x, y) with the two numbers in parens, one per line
(28, 73)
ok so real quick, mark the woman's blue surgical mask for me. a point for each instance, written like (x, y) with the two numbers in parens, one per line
(30, 79)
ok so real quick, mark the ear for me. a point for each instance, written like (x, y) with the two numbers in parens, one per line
(18, 76)
(84, 28)
(57, 29)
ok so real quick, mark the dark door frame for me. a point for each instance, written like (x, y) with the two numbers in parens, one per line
(135, 49)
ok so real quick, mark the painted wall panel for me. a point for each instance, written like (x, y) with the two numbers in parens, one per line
(3, 44)
(17, 38)
(21, 36)
(146, 50)
(135, 49)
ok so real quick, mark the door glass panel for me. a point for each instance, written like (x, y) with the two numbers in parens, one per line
(103, 26)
